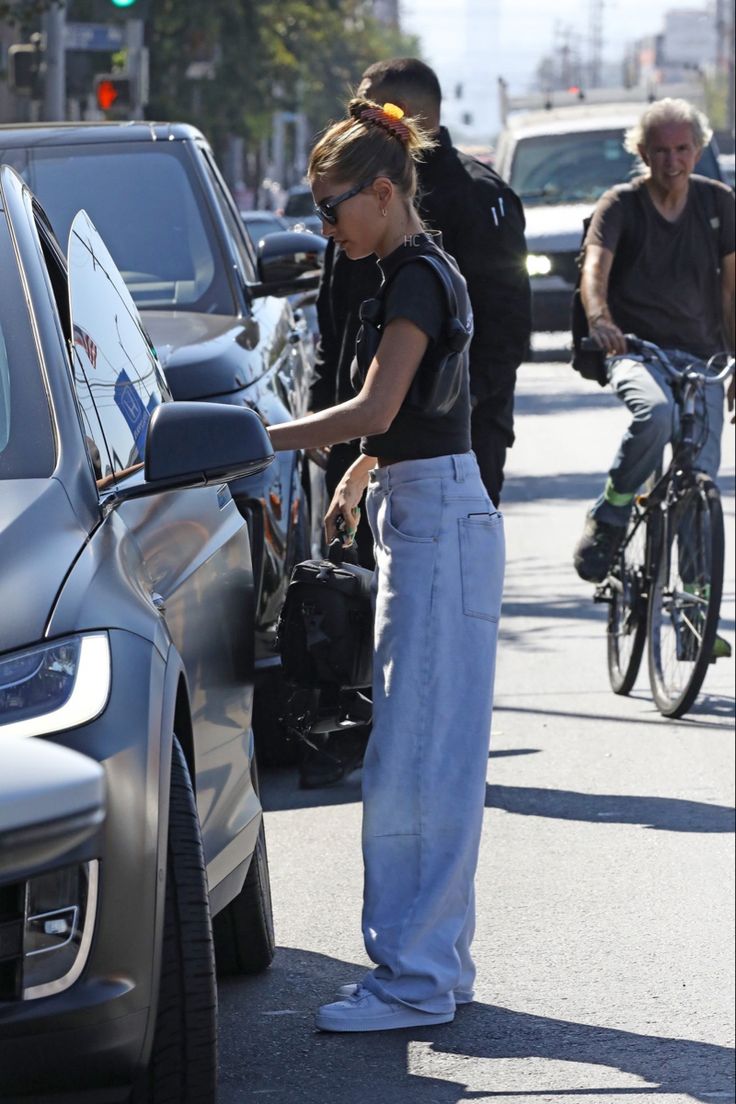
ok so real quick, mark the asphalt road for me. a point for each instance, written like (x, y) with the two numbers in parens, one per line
(605, 887)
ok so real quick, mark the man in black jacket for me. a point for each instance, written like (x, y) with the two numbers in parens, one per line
(482, 225)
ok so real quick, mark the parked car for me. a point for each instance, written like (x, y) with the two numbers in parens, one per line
(127, 597)
(560, 162)
(299, 209)
(259, 224)
(215, 306)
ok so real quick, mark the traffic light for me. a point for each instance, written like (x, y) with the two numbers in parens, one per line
(114, 94)
(24, 62)
(123, 3)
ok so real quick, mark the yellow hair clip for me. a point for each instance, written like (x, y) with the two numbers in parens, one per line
(393, 110)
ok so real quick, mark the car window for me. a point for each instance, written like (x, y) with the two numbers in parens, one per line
(148, 207)
(577, 167)
(27, 448)
(112, 355)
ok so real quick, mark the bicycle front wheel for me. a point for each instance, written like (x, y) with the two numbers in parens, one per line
(686, 598)
(627, 613)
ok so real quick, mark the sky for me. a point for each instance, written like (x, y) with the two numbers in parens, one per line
(516, 33)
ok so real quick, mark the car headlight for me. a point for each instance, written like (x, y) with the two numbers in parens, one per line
(538, 264)
(54, 686)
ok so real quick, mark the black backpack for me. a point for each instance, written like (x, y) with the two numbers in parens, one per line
(325, 629)
(434, 392)
(591, 364)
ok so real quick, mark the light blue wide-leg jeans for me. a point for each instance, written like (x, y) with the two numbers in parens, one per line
(439, 547)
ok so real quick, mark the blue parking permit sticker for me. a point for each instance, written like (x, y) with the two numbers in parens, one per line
(130, 405)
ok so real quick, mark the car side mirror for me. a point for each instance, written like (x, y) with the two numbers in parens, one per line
(289, 263)
(193, 444)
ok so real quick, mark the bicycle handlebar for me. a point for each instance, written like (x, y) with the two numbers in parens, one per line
(637, 346)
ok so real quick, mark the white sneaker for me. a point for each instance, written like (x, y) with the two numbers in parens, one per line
(364, 1011)
(350, 991)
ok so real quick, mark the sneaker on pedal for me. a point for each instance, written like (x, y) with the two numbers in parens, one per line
(596, 549)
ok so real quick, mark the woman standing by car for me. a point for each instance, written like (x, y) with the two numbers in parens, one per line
(439, 557)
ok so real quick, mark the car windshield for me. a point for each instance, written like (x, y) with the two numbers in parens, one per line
(26, 437)
(144, 201)
(577, 167)
(299, 203)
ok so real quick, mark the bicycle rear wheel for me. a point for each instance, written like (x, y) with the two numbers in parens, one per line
(686, 598)
(627, 613)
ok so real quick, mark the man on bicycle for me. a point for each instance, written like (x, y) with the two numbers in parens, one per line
(659, 263)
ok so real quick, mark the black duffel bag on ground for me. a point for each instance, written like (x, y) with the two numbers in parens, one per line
(325, 630)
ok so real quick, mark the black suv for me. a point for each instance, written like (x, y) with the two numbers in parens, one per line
(215, 307)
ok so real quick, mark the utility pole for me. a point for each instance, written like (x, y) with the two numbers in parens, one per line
(725, 54)
(595, 15)
(54, 85)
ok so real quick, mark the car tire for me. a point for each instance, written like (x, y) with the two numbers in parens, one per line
(183, 1064)
(244, 933)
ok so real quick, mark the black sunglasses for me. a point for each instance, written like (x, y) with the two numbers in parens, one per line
(326, 208)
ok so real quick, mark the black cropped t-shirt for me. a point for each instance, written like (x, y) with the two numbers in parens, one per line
(415, 293)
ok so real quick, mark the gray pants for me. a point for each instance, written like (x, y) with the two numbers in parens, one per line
(645, 389)
(439, 548)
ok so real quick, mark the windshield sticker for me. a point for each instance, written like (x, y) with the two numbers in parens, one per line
(131, 407)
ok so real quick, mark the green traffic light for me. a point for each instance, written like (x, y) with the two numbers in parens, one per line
(123, 3)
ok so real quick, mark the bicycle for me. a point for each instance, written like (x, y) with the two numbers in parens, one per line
(664, 588)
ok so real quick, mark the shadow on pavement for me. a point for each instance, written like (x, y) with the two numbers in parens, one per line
(569, 608)
(710, 706)
(270, 1051)
(668, 814)
(280, 790)
(563, 402)
(280, 787)
(575, 486)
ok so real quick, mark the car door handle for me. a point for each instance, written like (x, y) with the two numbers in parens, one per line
(159, 601)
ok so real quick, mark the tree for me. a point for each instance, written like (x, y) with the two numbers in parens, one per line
(246, 60)
(25, 13)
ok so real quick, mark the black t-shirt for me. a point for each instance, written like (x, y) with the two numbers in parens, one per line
(670, 294)
(416, 293)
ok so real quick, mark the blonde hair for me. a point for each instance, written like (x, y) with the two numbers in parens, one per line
(373, 141)
(665, 111)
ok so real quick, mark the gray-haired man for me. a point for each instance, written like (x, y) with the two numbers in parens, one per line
(676, 289)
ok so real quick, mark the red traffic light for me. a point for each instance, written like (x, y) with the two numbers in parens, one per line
(107, 94)
(113, 93)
